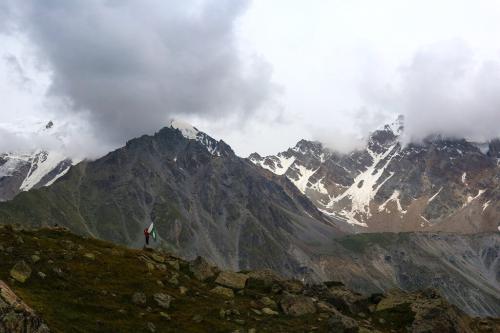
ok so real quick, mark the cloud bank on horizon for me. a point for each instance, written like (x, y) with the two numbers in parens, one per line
(120, 69)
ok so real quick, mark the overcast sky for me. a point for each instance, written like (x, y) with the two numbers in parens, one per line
(259, 74)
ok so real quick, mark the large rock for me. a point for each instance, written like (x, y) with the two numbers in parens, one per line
(158, 257)
(293, 286)
(232, 280)
(344, 299)
(392, 299)
(225, 292)
(163, 300)
(21, 271)
(16, 316)
(433, 314)
(201, 269)
(263, 279)
(293, 305)
(339, 323)
(139, 298)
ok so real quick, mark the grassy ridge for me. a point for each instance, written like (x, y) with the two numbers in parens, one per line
(359, 243)
(96, 295)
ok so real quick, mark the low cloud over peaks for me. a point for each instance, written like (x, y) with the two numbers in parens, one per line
(132, 65)
(445, 90)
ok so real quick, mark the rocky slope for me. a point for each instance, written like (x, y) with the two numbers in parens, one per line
(16, 316)
(440, 184)
(464, 268)
(203, 199)
(22, 171)
(81, 284)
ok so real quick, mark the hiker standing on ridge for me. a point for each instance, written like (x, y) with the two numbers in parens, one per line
(146, 235)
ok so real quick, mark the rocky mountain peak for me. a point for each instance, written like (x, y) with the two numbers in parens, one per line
(385, 184)
(49, 125)
(309, 147)
(214, 147)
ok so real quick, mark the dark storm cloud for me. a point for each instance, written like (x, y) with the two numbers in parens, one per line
(134, 64)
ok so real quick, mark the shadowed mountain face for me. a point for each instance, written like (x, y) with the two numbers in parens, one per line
(203, 199)
(440, 185)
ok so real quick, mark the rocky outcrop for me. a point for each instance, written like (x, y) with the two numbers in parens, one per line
(21, 271)
(201, 269)
(16, 316)
(232, 280)
(297, 305)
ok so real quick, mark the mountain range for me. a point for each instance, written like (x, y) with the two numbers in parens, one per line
(436, 185)
(295, 212)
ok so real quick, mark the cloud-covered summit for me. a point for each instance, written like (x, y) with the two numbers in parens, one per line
(445, 90)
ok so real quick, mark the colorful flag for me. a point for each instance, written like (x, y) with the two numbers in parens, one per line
(152, 231)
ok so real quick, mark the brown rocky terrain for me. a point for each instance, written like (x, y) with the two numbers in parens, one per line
(79, 284)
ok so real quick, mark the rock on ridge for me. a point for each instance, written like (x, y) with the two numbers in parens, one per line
(16, 316)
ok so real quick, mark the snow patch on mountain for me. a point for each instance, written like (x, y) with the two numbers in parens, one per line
(486, 204)
(284, 164)
(471, 198)
(435, 195)
(11, 164)
(344, 215)
(280, 164)
(394, 197)
(192, 133)
(303, 178)
(42, 163)
(365, 187)
(187, 130)
(319, 187)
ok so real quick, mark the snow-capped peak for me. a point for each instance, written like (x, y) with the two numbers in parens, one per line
(187, 130)
(397, 125)
(190, 132)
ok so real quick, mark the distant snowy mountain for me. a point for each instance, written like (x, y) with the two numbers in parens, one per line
(22, 171)
(441, 184)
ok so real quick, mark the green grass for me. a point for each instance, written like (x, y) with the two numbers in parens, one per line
(360, 242)
(397, 318)
(95, 296)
